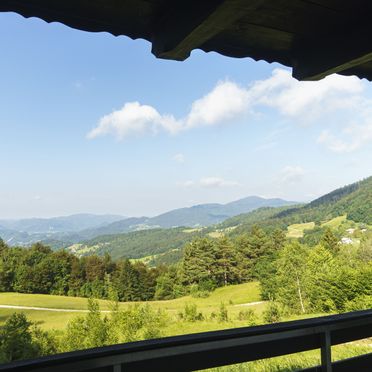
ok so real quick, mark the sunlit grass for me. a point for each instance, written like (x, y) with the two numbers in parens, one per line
(297, 230)
(334, 222)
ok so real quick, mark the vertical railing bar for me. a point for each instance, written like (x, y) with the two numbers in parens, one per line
(117, 368)
(325, 352)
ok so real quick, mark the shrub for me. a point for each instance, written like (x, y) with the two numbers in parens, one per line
(191, 314)
(134, 323)
(272, 314)
(248, 316)
(200, 294)
(222, 313)
(362, 302)
(22, 339)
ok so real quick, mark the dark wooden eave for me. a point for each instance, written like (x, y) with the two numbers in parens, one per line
(314, 37)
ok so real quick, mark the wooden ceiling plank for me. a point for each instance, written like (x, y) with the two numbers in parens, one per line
(175, 39)
(316, 61)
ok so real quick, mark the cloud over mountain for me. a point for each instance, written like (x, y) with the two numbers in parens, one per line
(303, 102)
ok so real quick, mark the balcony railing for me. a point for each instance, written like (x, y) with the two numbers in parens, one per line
(213, 349)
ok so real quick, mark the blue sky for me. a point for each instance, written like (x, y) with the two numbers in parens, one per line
(95, 123)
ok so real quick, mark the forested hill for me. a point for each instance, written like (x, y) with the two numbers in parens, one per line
(208, 214)
(137, 244)
(60, 232)
(70, 224)
(354, 201)
(195, 216)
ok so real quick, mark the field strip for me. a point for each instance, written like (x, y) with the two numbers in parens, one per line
(251, 303)
(17, 307)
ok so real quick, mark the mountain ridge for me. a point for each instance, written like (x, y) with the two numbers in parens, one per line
(27, 231)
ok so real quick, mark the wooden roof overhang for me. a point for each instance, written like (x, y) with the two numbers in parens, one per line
(314, 37)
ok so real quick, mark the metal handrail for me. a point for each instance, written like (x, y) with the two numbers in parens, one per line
(218, 348)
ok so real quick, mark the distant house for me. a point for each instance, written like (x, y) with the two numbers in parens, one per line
(346, 240)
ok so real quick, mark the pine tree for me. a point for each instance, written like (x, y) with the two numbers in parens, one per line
(198, 261)
(227, 271)
(330, 241)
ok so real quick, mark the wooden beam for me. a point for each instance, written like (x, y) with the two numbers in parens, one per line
(332, 54)
(189, 25)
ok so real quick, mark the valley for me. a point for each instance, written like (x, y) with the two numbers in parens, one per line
(272, 264)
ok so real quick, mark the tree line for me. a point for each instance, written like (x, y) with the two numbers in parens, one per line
(38, 269)
(206, 264)
(315, 275)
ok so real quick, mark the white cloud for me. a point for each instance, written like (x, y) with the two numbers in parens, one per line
(133, 118)
(295, 98)
(351, 138)
(303, 102)
(179, 158)
(215, 182)
(210, 182)
(188, 183)
(291, 174)
(224, 102)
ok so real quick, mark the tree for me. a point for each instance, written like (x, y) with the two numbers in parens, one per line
(291, 266)
(330, 241)
(198, 261)
(126, 282)
(252, 247)
(87, 332)
(3, 246)
(226, 262)
(266, 264)
(16, 339)
(320, 276)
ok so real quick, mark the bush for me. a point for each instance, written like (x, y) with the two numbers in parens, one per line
(190, 313)
(207, 285)
(248, 316)
(363, 302)
(135, 323)
(200, 294)
(272, 314)
(202, 289)
(22, 339)
(222, 313)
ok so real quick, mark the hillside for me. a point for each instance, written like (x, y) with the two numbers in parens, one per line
(164, 245)
(73, 223)
(354, 201)
(60, 232)
(253, 217)
(195, 216)
(136, 244)
(209, 214)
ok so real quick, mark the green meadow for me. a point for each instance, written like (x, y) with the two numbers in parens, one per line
(234, 297)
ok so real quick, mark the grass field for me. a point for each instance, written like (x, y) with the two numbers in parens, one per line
(334, 222)
(297, 230)
(234, 297)
(294, 362)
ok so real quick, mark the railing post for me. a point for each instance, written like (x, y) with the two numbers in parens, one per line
(326, 352)
(117, 368)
